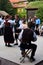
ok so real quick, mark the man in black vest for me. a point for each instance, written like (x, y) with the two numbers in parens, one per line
(27, 37)
(16, 28)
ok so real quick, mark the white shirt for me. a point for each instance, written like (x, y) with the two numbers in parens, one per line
(41, 27)
(2, 24)
(20, 22)
(10, 21)
(20, 35)
(22, 26)
(1, 20)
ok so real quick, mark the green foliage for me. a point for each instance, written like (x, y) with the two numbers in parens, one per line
(39, 5)
(36, 4)
(6, 6)
(22, 13)
(2, 4)
(34, 0)
(38, 0)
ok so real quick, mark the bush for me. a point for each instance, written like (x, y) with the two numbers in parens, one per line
(22, 13)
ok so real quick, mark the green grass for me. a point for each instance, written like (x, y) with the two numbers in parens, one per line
(36, 4)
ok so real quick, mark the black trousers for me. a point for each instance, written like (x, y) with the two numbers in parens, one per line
(30, 46)
(37, 25)
(17, 31)
(16, 35)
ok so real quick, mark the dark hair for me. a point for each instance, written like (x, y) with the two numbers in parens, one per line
(6, 17)
(29, 24)
(17, 15)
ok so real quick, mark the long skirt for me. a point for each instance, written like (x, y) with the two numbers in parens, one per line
(8, 35)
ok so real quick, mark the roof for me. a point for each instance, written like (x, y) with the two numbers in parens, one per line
(19, 5)
(16, 5)
(31, 8)
(3, 13)
(13, 1)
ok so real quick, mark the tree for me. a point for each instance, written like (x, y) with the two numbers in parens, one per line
(39, 5)
(33, 0)
(6, 6)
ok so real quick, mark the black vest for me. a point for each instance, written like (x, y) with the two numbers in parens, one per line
(27, 36)
(17, 25)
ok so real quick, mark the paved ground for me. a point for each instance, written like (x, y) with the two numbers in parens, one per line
(13, 53)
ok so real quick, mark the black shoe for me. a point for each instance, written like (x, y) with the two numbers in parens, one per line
(9, 46)
(5, 44)
(32, 59)
(16, 44)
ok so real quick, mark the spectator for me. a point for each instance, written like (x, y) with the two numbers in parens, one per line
(37, 23)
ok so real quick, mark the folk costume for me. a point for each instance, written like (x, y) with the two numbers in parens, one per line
(8, 34)
(17, 31)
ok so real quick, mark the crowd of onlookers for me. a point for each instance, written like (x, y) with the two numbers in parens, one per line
(34, 20)
(38, 26)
